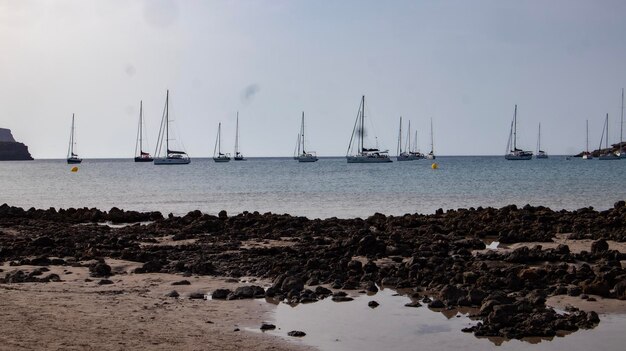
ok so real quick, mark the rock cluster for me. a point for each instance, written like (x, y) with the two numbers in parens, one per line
(434, 253)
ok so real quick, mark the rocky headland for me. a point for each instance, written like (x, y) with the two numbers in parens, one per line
(11, 150)
(439, 260)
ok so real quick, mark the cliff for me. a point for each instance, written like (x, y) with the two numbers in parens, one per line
(11, 150)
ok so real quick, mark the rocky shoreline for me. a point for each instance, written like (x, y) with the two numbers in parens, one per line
(440, 259)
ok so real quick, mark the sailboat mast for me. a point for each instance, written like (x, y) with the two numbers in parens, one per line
(219, 139)
(71, 153)
(362, 132)
(587, 139)
(302, 132)
(141, 126)
(432, 138)
(607, 131)
(167, 122)
(408, 138)
(539, 139)
(400, 138)
(237, 136)
(621, 128)
(515, 129)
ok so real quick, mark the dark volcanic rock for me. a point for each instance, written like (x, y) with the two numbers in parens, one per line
(100, 270)
(296, 333)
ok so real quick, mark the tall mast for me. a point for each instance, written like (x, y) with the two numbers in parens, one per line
(141, 126)
(167, 122)
(515, 129)
(71, 153)
(539, 139)
(432, 141)
(408, 138)
(621, 128)
(219, 139)
(587, 139)
(361, 133)
(400, 138)
(302, 132)
(607, 131)
(237, 136)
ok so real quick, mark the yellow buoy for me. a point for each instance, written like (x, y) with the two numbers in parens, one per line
(74, 169)
(434, 166)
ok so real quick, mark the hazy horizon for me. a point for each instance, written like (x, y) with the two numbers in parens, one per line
(463, 64)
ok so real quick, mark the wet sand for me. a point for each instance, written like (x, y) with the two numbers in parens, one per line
(133, 313)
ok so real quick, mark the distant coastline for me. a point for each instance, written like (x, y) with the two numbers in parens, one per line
(10, 149)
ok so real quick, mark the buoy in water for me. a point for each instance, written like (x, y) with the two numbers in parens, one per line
(74, 169)
(434, 166)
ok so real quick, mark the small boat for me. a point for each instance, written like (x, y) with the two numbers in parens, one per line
(608, 154)
(540, 153)
(218, 156)
(238, 155)
(302, 154)
(587, 155)
(357, 152)
(72, 158)
(513, 152)
(142, 156)
(168, 156)
(431, 154)
(407, 154)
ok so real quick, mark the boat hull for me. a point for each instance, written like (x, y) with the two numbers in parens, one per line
(587, 157)
(74, 161)
(240, 159)
(518, 157)
(172, 161)
(367, 159)
(221, 159)
(408, 158)
(307, 159)
(541, 156)
(144, 159)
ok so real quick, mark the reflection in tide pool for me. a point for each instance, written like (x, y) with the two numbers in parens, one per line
(392, 326)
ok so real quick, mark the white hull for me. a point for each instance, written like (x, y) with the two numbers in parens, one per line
(587, 157)
(430, 157)
(368, 159)
(172, 161)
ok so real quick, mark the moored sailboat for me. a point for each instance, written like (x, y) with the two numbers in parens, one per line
(513, 152)
(72, 157)
(406, 154)
(608, 153)
(142, 156)
(238, 154)
(357, 152)
(168, 156)
(587, 155)
(218, 156)
(303, 155)
(540, 153)
(431, 154)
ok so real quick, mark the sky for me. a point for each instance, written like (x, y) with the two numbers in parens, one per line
(465, 64)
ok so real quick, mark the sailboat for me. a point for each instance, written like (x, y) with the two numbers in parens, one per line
(587, 155)
(169, 157)
(219, 156)
(357, 152)
(238, 155)
(431, 154)
(303, 155)
(540, 153)
(608, 154)
(406, 154)
(143, 156)
(513, 152)
(72, 158)
(415, 151)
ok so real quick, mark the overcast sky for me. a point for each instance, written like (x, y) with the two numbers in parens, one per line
(465, 64)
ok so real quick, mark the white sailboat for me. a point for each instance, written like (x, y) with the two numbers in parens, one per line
(608, 154)
(540, 153)
(416, 150)
(431, 154)
(302, 154)
(72, 158)
(142, 156)
(357, 152)
(513, 152)
(218, 156)
(407, 154)
(587, 155)
(238, 154)
(166, 156)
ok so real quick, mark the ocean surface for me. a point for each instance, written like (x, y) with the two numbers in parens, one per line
(327, 188)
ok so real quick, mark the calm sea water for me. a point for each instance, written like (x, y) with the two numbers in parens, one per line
(327, 188)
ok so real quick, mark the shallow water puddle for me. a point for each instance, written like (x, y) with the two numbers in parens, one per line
(392, 326)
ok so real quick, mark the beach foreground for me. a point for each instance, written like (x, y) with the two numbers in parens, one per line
(68, 281)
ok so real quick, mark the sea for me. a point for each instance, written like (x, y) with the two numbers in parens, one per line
(328, 188)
